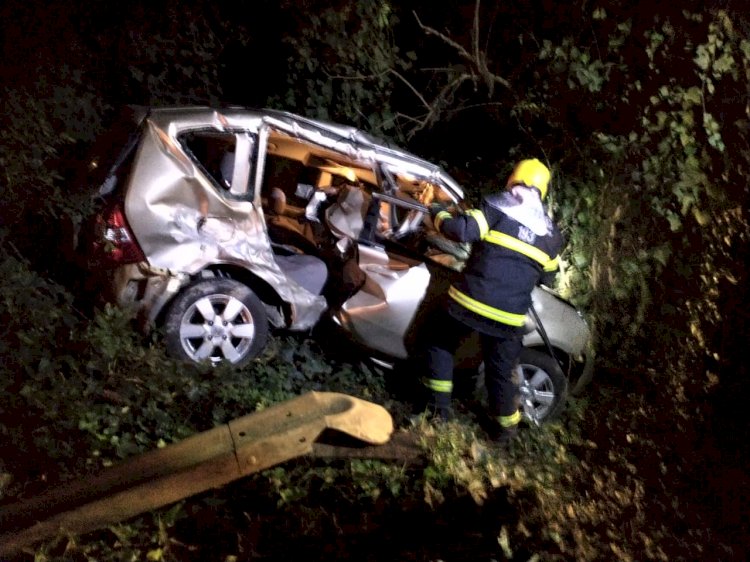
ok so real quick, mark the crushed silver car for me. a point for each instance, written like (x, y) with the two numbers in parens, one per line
(218, 225)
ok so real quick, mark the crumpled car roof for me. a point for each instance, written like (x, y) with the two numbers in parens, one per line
(332, 135)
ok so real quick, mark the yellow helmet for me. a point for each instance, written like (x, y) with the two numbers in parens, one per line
(531, 173)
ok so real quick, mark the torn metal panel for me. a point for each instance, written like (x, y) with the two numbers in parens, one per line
(169, 200)
(387, 303)
(145, 287)
(362, 148)
(183, 224)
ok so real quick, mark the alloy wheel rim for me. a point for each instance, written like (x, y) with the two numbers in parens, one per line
(216, 328)
(537, 392)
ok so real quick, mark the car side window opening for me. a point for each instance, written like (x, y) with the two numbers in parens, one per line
(221, 156)
(286, 190)
(373, 205)
(405, 222)
(279, 192)
(301, 181)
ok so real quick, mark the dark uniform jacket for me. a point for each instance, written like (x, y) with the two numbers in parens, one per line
(508, 259)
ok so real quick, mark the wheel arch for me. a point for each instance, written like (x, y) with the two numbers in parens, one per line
(264, 290)
(576, 368)
(563, 357)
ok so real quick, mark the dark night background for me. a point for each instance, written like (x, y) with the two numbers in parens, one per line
(642, 106)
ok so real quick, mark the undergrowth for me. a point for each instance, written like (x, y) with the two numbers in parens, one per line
(82, 393)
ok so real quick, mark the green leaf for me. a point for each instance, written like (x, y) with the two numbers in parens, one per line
(675, 223)
(693, 96)
(702, 57)
(661, 254)
(580, 260)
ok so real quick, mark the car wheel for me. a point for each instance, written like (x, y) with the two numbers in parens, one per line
(544, 388)
(216, 320)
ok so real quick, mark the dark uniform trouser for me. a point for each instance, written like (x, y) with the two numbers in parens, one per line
(500, 355)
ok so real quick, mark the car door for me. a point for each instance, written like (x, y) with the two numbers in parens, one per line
(400, 264)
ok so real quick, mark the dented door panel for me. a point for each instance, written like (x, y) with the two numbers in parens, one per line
(184, 225)
(380, 314)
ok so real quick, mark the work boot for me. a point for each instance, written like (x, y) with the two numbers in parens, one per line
(500, 436)
(439, 413)
(503, 436)
(432, 413)
(434, 406)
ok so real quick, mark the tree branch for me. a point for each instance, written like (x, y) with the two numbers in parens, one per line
(411, 87)
(431, 31)
(477, 59)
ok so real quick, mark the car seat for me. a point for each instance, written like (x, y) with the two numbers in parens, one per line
(309, 272)
(346, 217)
(286, 225)
(294, 243)
(277, 204)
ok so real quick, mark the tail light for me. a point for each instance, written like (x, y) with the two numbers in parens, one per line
(115, 242)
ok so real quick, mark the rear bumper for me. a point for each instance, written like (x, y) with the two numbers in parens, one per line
(141, 288)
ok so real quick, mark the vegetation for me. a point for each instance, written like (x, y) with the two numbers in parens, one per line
(641, 110)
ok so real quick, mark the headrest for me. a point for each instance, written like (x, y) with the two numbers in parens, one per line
(278, 200)
(346, 216)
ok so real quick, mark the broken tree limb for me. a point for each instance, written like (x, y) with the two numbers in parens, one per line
(204, 461)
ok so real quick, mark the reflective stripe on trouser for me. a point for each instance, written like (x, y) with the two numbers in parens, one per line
(442, 336)
(440, 392)
(501, 377)
(509, 421)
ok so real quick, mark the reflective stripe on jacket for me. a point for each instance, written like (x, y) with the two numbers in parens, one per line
(506, 262)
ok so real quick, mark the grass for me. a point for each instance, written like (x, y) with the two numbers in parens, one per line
(627, 473)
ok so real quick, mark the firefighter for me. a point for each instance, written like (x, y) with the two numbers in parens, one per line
(515, 246)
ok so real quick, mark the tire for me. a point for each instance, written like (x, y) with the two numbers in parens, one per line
(544, 387)
(216, 320)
